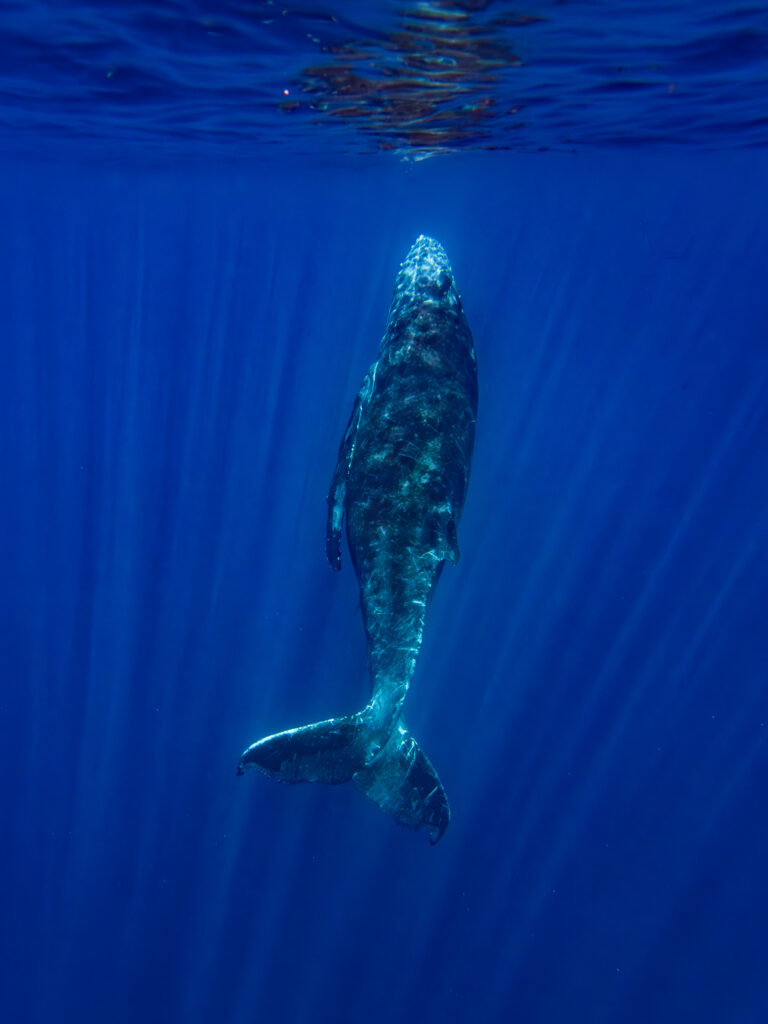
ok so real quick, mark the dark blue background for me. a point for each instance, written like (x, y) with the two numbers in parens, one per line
(179, 351)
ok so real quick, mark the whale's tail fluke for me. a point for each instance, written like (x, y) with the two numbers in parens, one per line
(402, 781)
(396, 775)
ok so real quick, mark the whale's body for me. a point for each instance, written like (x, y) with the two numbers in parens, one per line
(400, 480)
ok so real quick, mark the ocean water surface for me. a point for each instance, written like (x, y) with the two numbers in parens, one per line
(203, 211)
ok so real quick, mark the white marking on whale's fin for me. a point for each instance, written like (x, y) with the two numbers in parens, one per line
(442, 526)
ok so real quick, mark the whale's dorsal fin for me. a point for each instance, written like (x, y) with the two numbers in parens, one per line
(337, 492)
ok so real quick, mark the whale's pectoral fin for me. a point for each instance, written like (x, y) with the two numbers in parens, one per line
(328, 751)
(338, 490)
(335, 519)
(404, 784)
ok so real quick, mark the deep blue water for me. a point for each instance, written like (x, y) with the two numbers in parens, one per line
(182, 337)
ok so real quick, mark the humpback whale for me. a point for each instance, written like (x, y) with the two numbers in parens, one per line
(400, 481)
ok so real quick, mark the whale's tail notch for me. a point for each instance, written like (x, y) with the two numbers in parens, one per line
(396, 775)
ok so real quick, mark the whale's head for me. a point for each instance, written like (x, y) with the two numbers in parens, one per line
(426, 314)
(425, 275)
